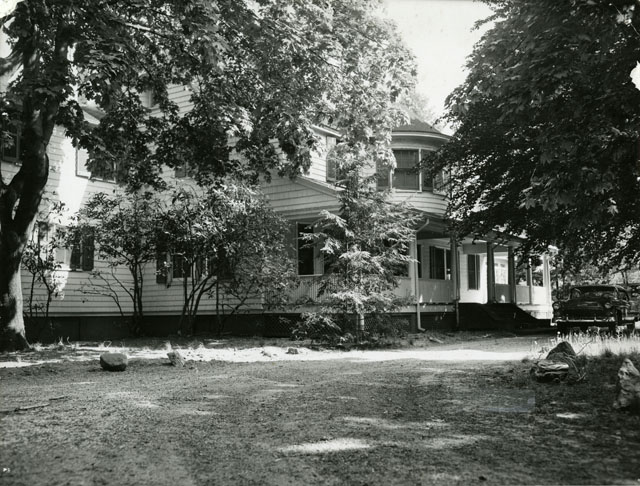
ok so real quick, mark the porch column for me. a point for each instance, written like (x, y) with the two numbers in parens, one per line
(546, 277)
(413, 267)
(530, 280)
(455, 276)
(455, 268)
(491, 274)
(511, 267)
(413, 276)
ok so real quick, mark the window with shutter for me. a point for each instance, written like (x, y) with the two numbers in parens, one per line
(10, 142)
(82, 252)
(178, 265)
(406, 175)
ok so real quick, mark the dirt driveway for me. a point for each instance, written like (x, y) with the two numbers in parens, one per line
(458, 414)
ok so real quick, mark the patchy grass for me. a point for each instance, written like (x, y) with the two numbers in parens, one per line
(375, 417)
(596, 344)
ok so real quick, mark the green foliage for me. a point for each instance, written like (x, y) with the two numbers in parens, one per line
(319, 328)
(386, 326)
(123, 227)
(548, 130)
(334, 329)
(259, 74)
(365, 246)
(39, 259)
(229, 245)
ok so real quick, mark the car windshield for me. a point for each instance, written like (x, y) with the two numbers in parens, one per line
(593, 293)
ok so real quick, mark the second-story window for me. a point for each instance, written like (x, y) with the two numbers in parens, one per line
(330, 143)
(406, 174)
(10, 143)
(82, 169)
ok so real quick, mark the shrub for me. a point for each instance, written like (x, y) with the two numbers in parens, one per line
(318, 328)
(337, 329)
(385, 325)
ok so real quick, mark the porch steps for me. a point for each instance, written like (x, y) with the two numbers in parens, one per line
(495, 316)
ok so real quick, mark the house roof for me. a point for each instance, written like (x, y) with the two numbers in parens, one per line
(417, 125)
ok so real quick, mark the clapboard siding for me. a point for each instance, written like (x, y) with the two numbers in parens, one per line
(318, 169)
(64, 185)
(181, 96)
(160, 299)
(423, 201)
(299, 198)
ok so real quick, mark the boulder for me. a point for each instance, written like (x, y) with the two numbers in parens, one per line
(292, 351)
(628, 388)
(114, 361)
(546, 370)
(176, 358)
(558, 364)
(562, 352)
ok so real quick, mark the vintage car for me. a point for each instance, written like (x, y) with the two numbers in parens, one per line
(595, 306)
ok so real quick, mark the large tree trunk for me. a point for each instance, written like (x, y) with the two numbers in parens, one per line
(12, 331)
(19, 203)
(20, 199)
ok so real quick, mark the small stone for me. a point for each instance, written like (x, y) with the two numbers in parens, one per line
(628, 388)
(176, 358)
(114, 361)
(293, 351)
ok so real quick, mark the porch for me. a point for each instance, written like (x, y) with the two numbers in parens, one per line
(429, 292)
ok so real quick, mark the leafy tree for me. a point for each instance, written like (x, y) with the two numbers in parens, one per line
(365, 246)
(224, 243)
(123, 227)
(548, 123)
(258, 71)
(39, 258)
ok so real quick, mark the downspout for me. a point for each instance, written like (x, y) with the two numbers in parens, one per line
(415, 279)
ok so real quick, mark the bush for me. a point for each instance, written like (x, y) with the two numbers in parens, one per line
(339, 329)
(385, 325)
(318, 328)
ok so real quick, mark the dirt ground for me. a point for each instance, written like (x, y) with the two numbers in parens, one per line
(459, 413)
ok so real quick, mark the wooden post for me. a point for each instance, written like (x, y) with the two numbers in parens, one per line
(511, 267)
(491, 274)
(530, 280)
(455, 276)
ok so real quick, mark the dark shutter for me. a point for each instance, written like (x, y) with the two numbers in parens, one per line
(161, 260)
(76, 254)
(87, 252)
(305, 251)
(473, 271)
(180, 172)
(382, 173)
